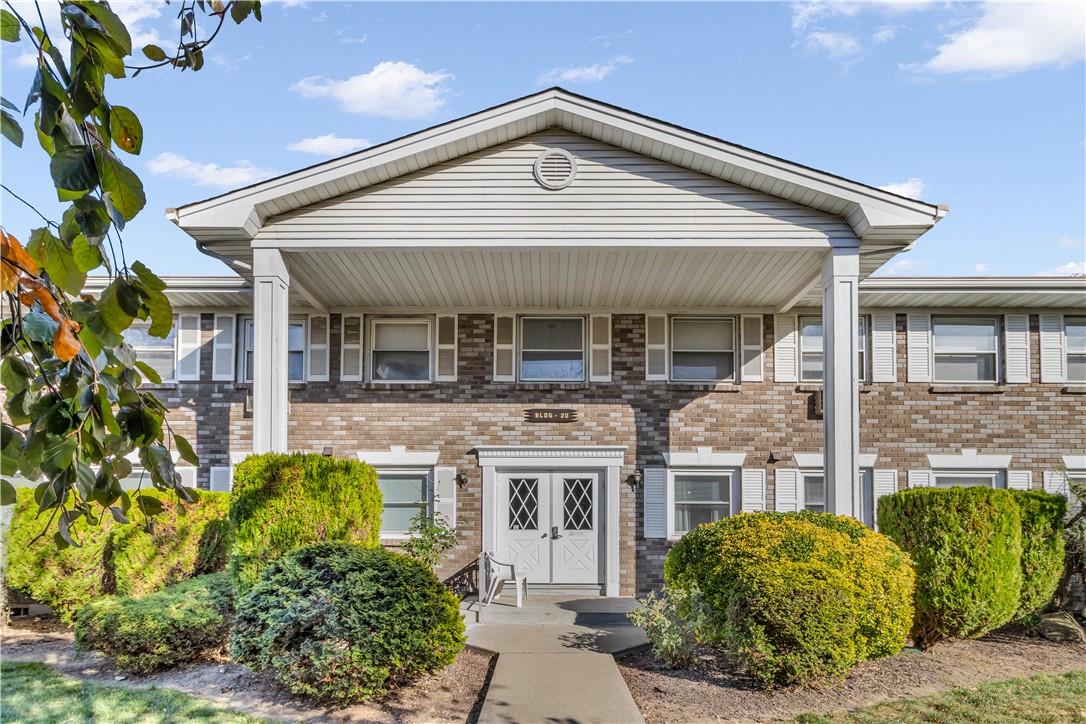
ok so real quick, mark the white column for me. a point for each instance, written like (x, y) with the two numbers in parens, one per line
(271, 284)
(841, 400)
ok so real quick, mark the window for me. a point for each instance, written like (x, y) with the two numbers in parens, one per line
(157, 352)
(296, 332)
(863, 347)
(406, 494)
(965, 349)
(702, 349)
(812, 348)
(400, 350)
(814, 492)
(552, 349)
(969, 479)
(700, 498)
(1076, 348)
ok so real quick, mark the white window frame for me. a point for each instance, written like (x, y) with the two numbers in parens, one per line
(997, 476)
(371, 338)
(1067, 351)
(935, 351)
(247, 333)
(521, 348)
(671, 350)
(863, 348)
(801, 492)
(176, 335)
(732, 474)
(802, 350)
(428, 473)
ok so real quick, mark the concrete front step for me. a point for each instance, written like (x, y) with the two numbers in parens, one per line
(550, 609)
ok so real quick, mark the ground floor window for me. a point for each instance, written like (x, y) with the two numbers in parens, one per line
(406, 493)
(814, 491)
(969, 479)
(699, 497)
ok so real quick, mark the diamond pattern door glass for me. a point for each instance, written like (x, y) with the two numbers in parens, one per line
(577, 503)
(523, 503)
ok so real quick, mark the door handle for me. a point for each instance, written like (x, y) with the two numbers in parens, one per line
(554, 533)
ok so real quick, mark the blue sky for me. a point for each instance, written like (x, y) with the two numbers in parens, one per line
(980, 106)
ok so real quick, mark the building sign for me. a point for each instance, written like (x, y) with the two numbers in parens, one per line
(550, 415)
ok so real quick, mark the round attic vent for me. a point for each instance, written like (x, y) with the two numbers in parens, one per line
(555, 168)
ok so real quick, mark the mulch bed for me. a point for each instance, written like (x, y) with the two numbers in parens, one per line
(712, 690)
(453, 694)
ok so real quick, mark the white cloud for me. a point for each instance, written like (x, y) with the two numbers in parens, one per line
(982, 268)
(912, 188)
(328, 145)
(346, 38)
(806, 14)
(393, 89)
(884, 34)
(206, 174)
(585, 73)
(905, 266)
(134, 13)
(606, 40)
(1068, 243)
(1014, 37)
(837, 45)
(1070, 269)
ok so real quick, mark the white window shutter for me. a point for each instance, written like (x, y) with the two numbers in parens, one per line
(188, 476)
(599, 359)
(751, 347)
(752, 489)
(446, 348)
(918, 343)
(884, 347)
(883, 482)
(222, 478)
(318, 348)
(921, 479)
(1016, 348)
(350, 344)
(445, 494)
(656, 502)
(1052, 357)
(785, 348)
(655, 346)
(786, 490)
(505, 348)
(223, 346)
(188, 347)
(1019, 479)
(1055, 482)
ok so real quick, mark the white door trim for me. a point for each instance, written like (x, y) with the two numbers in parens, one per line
(608, 459)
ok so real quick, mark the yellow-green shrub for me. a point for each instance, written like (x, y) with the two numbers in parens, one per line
(796, 596)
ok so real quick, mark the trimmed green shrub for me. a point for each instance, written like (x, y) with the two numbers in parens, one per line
(189, 540)
(281, 502)
(1042, 548)
(342, 623)
(179, 624)
(796, 597)
(671, 622)
(966, 545)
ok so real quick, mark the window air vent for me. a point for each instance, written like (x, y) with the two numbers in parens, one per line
(555, 168)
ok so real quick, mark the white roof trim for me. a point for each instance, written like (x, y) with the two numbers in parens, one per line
(554, 456)
(1074, 462)
(398, 456)
(975, 285)
(968, 459)
(704, 457)
(815, 461)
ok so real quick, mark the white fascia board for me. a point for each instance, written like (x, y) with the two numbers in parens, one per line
(815, 461)
(968, 459)
(399, 457)
(704, 457)
(977, 284)
(1074, 462)
(564, 456)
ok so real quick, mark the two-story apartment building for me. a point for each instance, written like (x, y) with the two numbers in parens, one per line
(579, 332)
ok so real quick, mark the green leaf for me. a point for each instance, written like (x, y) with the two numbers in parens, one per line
(39, 326)
(9, 27)
(11, 128)
(155, 53)
(149, 372)
(158, 305)
(184, 449)
(7, 493)
(58, 455)
(118, 515)
(87, 257)
(115, 317)
(112, 26)
(149, 504)
(8, 104)
(72, 168)
(84, 478)
(64, 523)
(15, 375)
(122, 184)
(92, 217)
(126, 129)
(58, 260)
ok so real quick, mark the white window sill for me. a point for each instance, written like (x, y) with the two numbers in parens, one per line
(1074, 389)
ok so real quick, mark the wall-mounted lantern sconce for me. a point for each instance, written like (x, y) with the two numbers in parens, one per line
(636, 479)
(773, 458)
(328, 452)
(461, 480)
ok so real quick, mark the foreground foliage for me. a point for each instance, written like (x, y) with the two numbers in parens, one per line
(35, 694)
(670, 621)
(796, 597)
(282, 502)
(1042, 548)
(177, 625)
(342, 623)
(187, 540)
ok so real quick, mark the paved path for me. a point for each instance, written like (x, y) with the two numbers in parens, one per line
(560, 671)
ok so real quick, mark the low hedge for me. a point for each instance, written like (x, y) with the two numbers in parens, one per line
(189, 540)
(281, 502)
(1043, 546)
(966, 545)
(342, 623)
(796, 596)
(179, 624)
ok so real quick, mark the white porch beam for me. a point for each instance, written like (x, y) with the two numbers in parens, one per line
(800, 292)
(271, 315)
(841, 401)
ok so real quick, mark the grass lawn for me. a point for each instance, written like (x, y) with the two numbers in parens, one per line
(1042, 698)
(36, 693)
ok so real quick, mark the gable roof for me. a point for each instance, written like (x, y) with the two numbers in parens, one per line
(875, 215)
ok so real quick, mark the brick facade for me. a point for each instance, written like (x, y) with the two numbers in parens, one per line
(901, 422)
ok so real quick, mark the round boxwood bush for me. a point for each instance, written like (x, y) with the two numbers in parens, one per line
(966, 545)
(282, 502)
(1042, 548)
(796, 597)
(342, 623)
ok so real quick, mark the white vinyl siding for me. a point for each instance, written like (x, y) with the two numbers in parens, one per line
(702, 349)
(965, 349)
(1075, 341)
(157, 352)
(552, 349)
(400, 350)
(884, 347)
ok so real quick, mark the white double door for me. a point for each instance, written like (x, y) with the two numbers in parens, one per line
(548, 525)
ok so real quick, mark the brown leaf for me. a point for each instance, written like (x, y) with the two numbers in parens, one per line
(14, 253)
(65, 342)
(40, 295)
(9, 277)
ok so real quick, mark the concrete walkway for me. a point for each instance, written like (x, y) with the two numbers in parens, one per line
(555, 661)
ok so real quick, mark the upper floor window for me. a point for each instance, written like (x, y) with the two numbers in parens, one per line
(969, 479)
(296, 332)
(702, 349)
(698, 498)
(157, 352)
(552, 349)
(965, 349)
(812, 348)
(1076, 348)
(400, 350)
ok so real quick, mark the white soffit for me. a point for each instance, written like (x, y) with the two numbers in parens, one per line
(969, 459)
(1003, 292)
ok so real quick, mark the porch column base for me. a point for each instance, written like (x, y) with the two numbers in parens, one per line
(841, 400)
